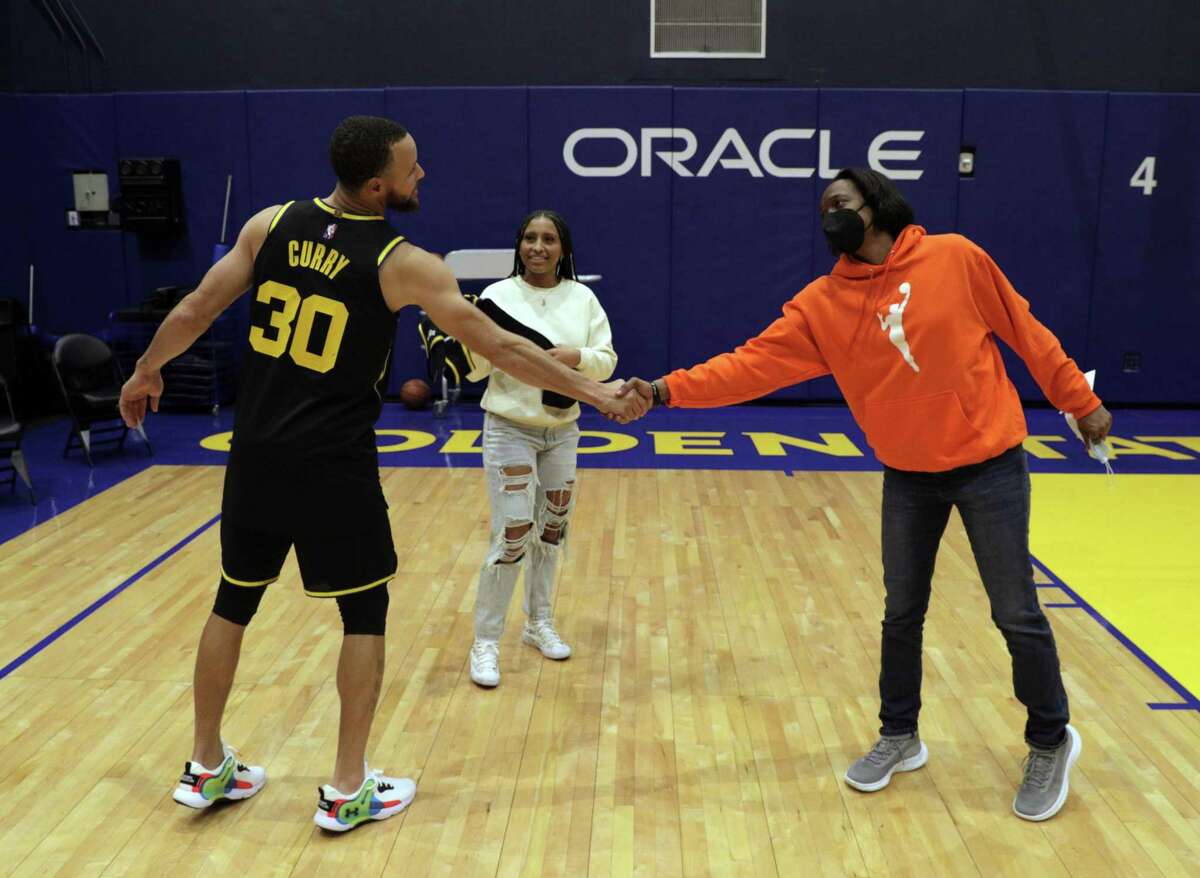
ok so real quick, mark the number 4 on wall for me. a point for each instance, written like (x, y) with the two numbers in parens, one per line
(1143, 177)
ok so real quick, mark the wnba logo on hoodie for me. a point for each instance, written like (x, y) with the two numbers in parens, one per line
(893, 324)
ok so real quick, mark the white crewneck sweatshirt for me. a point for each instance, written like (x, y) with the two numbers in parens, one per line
(568, 314)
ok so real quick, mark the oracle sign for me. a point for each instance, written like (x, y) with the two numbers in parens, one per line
(733, 153)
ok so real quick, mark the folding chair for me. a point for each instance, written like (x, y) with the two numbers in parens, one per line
(12, 459)
(90, 379)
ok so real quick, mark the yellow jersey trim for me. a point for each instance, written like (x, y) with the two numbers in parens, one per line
(337, 594)
(388, 249)
(382, 372)
(340, 215)
(272, 228)
(240, 582)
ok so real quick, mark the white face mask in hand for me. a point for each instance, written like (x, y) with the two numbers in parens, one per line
(1101, 450)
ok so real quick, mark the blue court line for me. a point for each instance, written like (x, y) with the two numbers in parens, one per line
(1064, 606)
(101, 601)
(1190, 701)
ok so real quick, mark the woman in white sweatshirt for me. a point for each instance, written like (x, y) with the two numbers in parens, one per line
(530, 437)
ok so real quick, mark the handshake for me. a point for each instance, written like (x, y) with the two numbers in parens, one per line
(626, 401)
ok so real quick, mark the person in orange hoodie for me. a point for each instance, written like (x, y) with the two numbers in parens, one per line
(907, 324)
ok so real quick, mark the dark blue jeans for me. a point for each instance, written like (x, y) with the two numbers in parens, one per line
(993, 499)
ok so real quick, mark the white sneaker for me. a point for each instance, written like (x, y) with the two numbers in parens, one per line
(199, 787)
(485, 663)
(378, 797)
(542, 635)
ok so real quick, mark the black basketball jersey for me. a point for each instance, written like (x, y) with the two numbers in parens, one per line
(312, 379)
(320, 332)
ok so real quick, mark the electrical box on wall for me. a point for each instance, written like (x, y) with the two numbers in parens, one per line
(966, 161)
(91, 210)
(91, 191)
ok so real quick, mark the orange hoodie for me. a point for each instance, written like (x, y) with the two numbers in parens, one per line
(912, 346)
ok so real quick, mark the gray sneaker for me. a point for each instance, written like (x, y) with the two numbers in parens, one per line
(890, 754)
(1043, 790)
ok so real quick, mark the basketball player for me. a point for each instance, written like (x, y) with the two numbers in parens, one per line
(907, 324)
(328, 276)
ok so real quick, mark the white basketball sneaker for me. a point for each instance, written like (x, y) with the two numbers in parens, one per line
(378, 797)
(199, 787)
(485, 663)
(542, 635)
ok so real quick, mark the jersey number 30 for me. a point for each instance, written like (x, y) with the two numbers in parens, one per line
(281, 322)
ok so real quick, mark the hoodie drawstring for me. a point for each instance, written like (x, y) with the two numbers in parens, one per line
(872, 300)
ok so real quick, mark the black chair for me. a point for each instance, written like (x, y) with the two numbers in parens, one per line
(90, 379)
(12, 459)
(13, 329)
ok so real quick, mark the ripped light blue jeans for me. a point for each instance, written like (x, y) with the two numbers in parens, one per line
(531, 486)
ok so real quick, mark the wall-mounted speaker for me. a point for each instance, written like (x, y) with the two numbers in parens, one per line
(151, 194)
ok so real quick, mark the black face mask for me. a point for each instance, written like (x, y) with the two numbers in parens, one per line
(844, 230)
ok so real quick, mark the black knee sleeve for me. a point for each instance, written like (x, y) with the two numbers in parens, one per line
(237, 603)
(364, 612)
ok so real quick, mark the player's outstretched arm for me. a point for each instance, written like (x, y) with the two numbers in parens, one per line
(225, 281)
(411, 276)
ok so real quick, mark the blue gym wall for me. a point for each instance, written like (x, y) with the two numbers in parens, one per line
(691, 265)
(15, 254)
